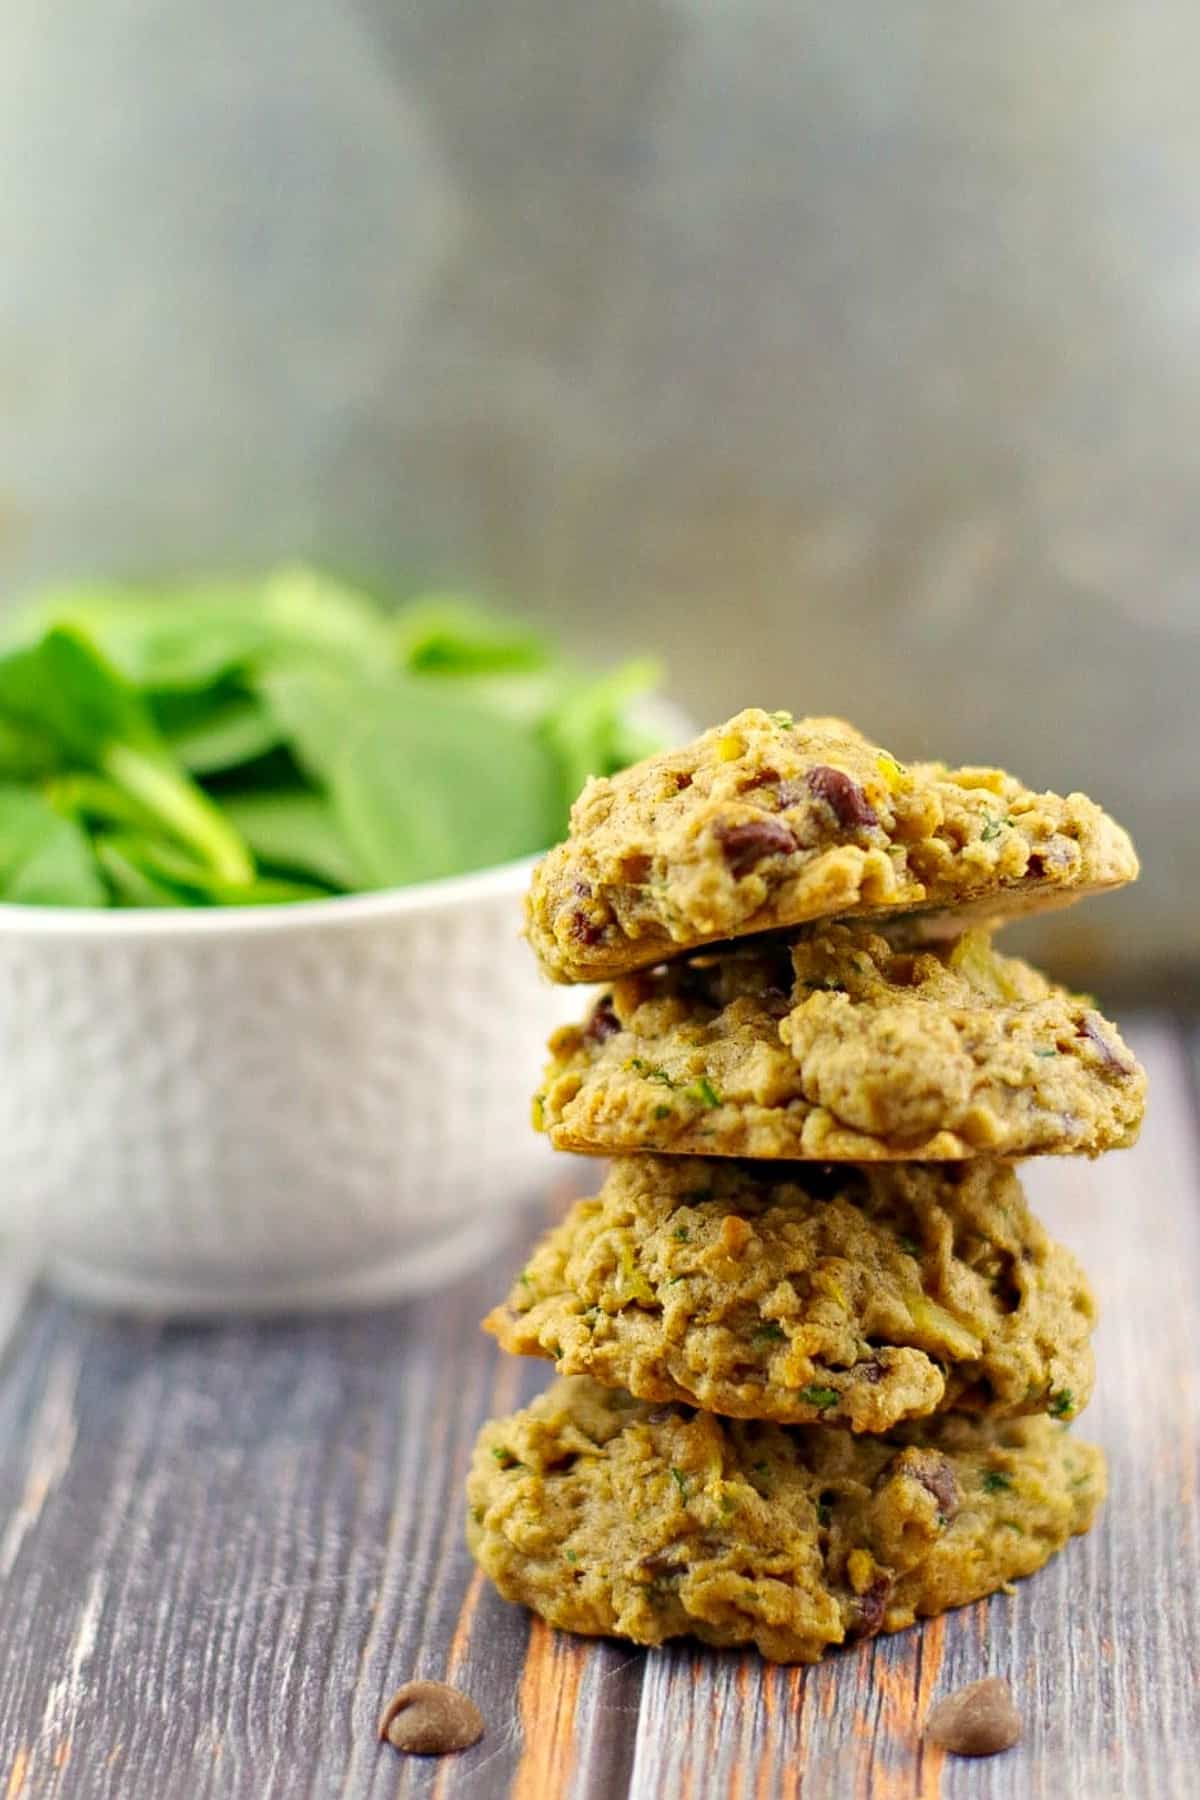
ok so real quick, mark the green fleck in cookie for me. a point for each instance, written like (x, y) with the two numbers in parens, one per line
(852, 1296)
(841, 1046)
(610, 1517)
(767, 821)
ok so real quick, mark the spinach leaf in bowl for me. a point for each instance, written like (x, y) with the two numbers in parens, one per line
(421, 784)
(445, 635)
(45, 859)
(65, 688)
(226, 743)
(295, 831)
(138, 858)
(223, 728)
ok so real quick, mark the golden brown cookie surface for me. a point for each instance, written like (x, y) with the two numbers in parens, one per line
(766, 822)
(614, 1518)
(836, 1045)
(851, 1296)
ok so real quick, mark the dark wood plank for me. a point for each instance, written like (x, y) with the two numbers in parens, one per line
(220, 1550)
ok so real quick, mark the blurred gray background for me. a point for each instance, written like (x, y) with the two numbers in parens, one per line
(848, 355)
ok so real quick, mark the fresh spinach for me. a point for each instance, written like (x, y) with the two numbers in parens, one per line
(25, 752)
(584, 727)
(447, 635)
(256, 742)
(45, 859)
(420, 784)
(216, 731)
(170, 870)
(65, 687)
(295, 830)
(183, 643)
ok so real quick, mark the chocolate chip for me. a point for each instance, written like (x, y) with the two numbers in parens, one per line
(842, 794)
(936, 1476)
(603, 1022)
(931, 1470)
(583, 929)
(978, 1720)
(1090, 1027)
(746, 844)
(430, 1719)
(869, 1608)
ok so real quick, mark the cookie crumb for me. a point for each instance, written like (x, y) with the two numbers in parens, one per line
(428, 1718)
(977, 1720)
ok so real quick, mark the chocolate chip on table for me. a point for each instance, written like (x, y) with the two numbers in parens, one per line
(430, 1719)
(746, 844)
(842, 794)
(977, 1720)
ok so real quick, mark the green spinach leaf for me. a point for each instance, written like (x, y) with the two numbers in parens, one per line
(26, 754)
(421, 785)
(65, 687)
(178, 640)
(167, 869)
(215, 731)
(295, 830)
(443, 634)
(45, 859)
(585, 726)
(165, 738)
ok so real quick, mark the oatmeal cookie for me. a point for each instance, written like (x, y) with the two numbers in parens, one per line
(767, 821)
(614, 1518)
(853, 1296)
(840, 1046)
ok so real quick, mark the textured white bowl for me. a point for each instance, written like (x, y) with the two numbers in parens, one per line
(318, 1104)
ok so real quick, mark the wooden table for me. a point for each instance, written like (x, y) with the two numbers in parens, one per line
(220, 1549)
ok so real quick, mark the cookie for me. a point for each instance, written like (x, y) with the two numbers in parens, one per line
(614, 1518)
(840, 1046)
(858, 1297)
(768, 821)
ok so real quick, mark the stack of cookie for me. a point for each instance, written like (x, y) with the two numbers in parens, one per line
(816, 1355)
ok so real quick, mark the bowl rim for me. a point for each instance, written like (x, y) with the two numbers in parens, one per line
(449, 893)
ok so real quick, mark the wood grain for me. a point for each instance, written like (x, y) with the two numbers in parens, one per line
(221, 1549)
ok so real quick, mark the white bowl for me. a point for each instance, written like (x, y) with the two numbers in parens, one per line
(316, 1104)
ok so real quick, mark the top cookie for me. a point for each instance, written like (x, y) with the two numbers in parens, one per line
(768, 821)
